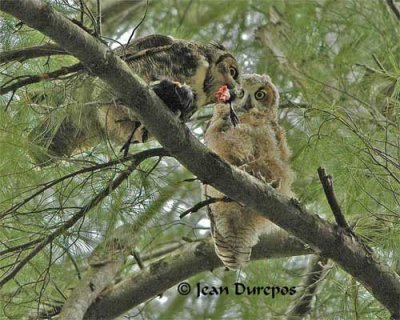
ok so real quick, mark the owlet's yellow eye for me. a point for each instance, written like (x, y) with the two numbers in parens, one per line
(260, 94)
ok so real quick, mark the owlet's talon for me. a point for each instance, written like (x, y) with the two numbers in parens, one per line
(275, 183)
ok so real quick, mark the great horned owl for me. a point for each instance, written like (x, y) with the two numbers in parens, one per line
(258, 146)
(202, 67)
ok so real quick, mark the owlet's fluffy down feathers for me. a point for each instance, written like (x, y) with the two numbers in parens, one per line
(258, 146)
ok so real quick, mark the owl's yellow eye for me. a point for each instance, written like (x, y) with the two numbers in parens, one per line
(241, 94)
(234, 72)
(260, 94)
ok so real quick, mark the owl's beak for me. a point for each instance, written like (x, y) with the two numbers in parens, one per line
(232, 94)
(235, 92)
(247, 104)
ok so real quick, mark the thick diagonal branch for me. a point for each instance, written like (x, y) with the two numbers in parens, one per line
(176, 265)
(322, 236)
(188, 261)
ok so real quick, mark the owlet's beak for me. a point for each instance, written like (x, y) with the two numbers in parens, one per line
(247, 103)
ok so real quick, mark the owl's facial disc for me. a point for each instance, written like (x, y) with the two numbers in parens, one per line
(225, 72)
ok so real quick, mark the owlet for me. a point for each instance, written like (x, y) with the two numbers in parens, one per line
(258, 146)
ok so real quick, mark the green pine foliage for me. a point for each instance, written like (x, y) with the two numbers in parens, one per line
(337, 66)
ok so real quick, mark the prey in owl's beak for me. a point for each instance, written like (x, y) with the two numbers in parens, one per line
(225, 95)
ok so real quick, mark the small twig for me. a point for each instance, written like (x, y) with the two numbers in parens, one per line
(202, 204)
(138, 25)
(370, 69)
(105, 192)
(378, 62)
(150, 152)
(138, 259)
(83, 27)
(151, 254)
(9, 101)
(191, 180)
(98, 19)
(23, 54)
(37, 78)
(392, 5)
(182, 19)
(82, 11)
(327, 184)
(21, 247)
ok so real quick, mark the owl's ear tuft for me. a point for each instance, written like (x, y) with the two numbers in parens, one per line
(218, 46)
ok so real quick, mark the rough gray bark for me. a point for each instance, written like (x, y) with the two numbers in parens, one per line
(104, 263)
(322, 236)
(189, 260)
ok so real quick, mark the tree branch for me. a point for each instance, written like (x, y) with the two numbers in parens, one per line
(105, 262)
(29, 79)
(327, 184)
(316, 274)
(160, 152)
(287, 213)
(186, 262)
(203, 204)
(77, 216)
(23, 54)
(394, 7)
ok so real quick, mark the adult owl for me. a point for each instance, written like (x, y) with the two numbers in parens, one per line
(258, 146)
(185, 74)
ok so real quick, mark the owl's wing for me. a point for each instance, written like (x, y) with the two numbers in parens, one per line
(139, 47)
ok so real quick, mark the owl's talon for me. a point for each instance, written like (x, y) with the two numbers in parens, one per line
(275, 183)
(177, 97)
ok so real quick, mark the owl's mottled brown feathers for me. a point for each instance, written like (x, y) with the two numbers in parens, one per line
(202, 67)
(258, 146)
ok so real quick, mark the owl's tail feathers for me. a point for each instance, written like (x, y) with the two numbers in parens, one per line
(233, 251)
(235, 230)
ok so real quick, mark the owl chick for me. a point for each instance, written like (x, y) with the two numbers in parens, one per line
(201, 67)
(258, 146)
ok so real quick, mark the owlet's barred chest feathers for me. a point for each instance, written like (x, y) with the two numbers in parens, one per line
(258, 146)
(161, 61)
